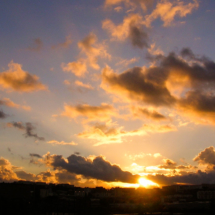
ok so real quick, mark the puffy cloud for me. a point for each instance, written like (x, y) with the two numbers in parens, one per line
(93, 50)
(37, 45)
(130, 28)
(184, 82)
(65, 44)
(96, 168)
(62, 143)
(7, 102)
(200, 104)
(102, 112)
(140, 112)
(167, 11)
(107, 134)
(28, 128)
(136, 85)
(168, 164)
(7, 171)
(207, 156)
(78, 68)
(17, 79)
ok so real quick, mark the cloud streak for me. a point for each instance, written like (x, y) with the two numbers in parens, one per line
(28, 128)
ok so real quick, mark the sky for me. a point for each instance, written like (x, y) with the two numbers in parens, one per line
(107, 92)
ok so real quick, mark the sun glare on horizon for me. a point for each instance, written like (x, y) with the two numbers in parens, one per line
(147, 183)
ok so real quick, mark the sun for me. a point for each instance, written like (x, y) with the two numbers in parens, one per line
(147, 183)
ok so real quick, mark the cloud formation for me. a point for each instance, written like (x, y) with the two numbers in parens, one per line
(62, 142)
(181, 81)
(140, 112)
(18, 80)
(130, 28)
(78, 68)
(207, 156)
(96, 168)
(92, 50)
(135, 84)
(100, 113)
(168, 10)
(7, 102)
(107, 134)
(132, 4)
(7, 171)
(28, 128)
(2, 114)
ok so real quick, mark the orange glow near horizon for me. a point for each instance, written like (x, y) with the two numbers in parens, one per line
(147, 183)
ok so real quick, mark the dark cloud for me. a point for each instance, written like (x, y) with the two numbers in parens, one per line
(168, 164)
(184, 81)
(138, 85)
(192, 178)
(98, 168)
(35, 155)
(9, 149)
(2, 115)
(28, 127)
(207, 156)
(138, 37)
(65, 177)
(144, 112)
(37, 45)
(25, 176)
(199, 101)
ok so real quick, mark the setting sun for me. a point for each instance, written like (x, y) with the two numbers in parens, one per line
(147, 183)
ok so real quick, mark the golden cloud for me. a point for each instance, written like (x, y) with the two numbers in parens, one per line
(93, 50)
(18, 80)
(62, 143)
(92, 113)
(7, 102)
(167, 11)
(107, 134)
(78, 68)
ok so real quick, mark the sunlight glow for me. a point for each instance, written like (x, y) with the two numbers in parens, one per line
(147, 183)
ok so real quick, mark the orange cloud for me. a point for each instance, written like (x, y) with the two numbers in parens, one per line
(78, 68)
(133, 4)
(106, 134)
(92, 113)
(93, 50)
(62, 143)
(130, 28)
(140, 112)
(18, 80)
(134, 84)
(7, 102)
(7, 171)
(167, 11)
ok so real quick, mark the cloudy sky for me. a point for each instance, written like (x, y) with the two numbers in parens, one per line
(103, 92)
